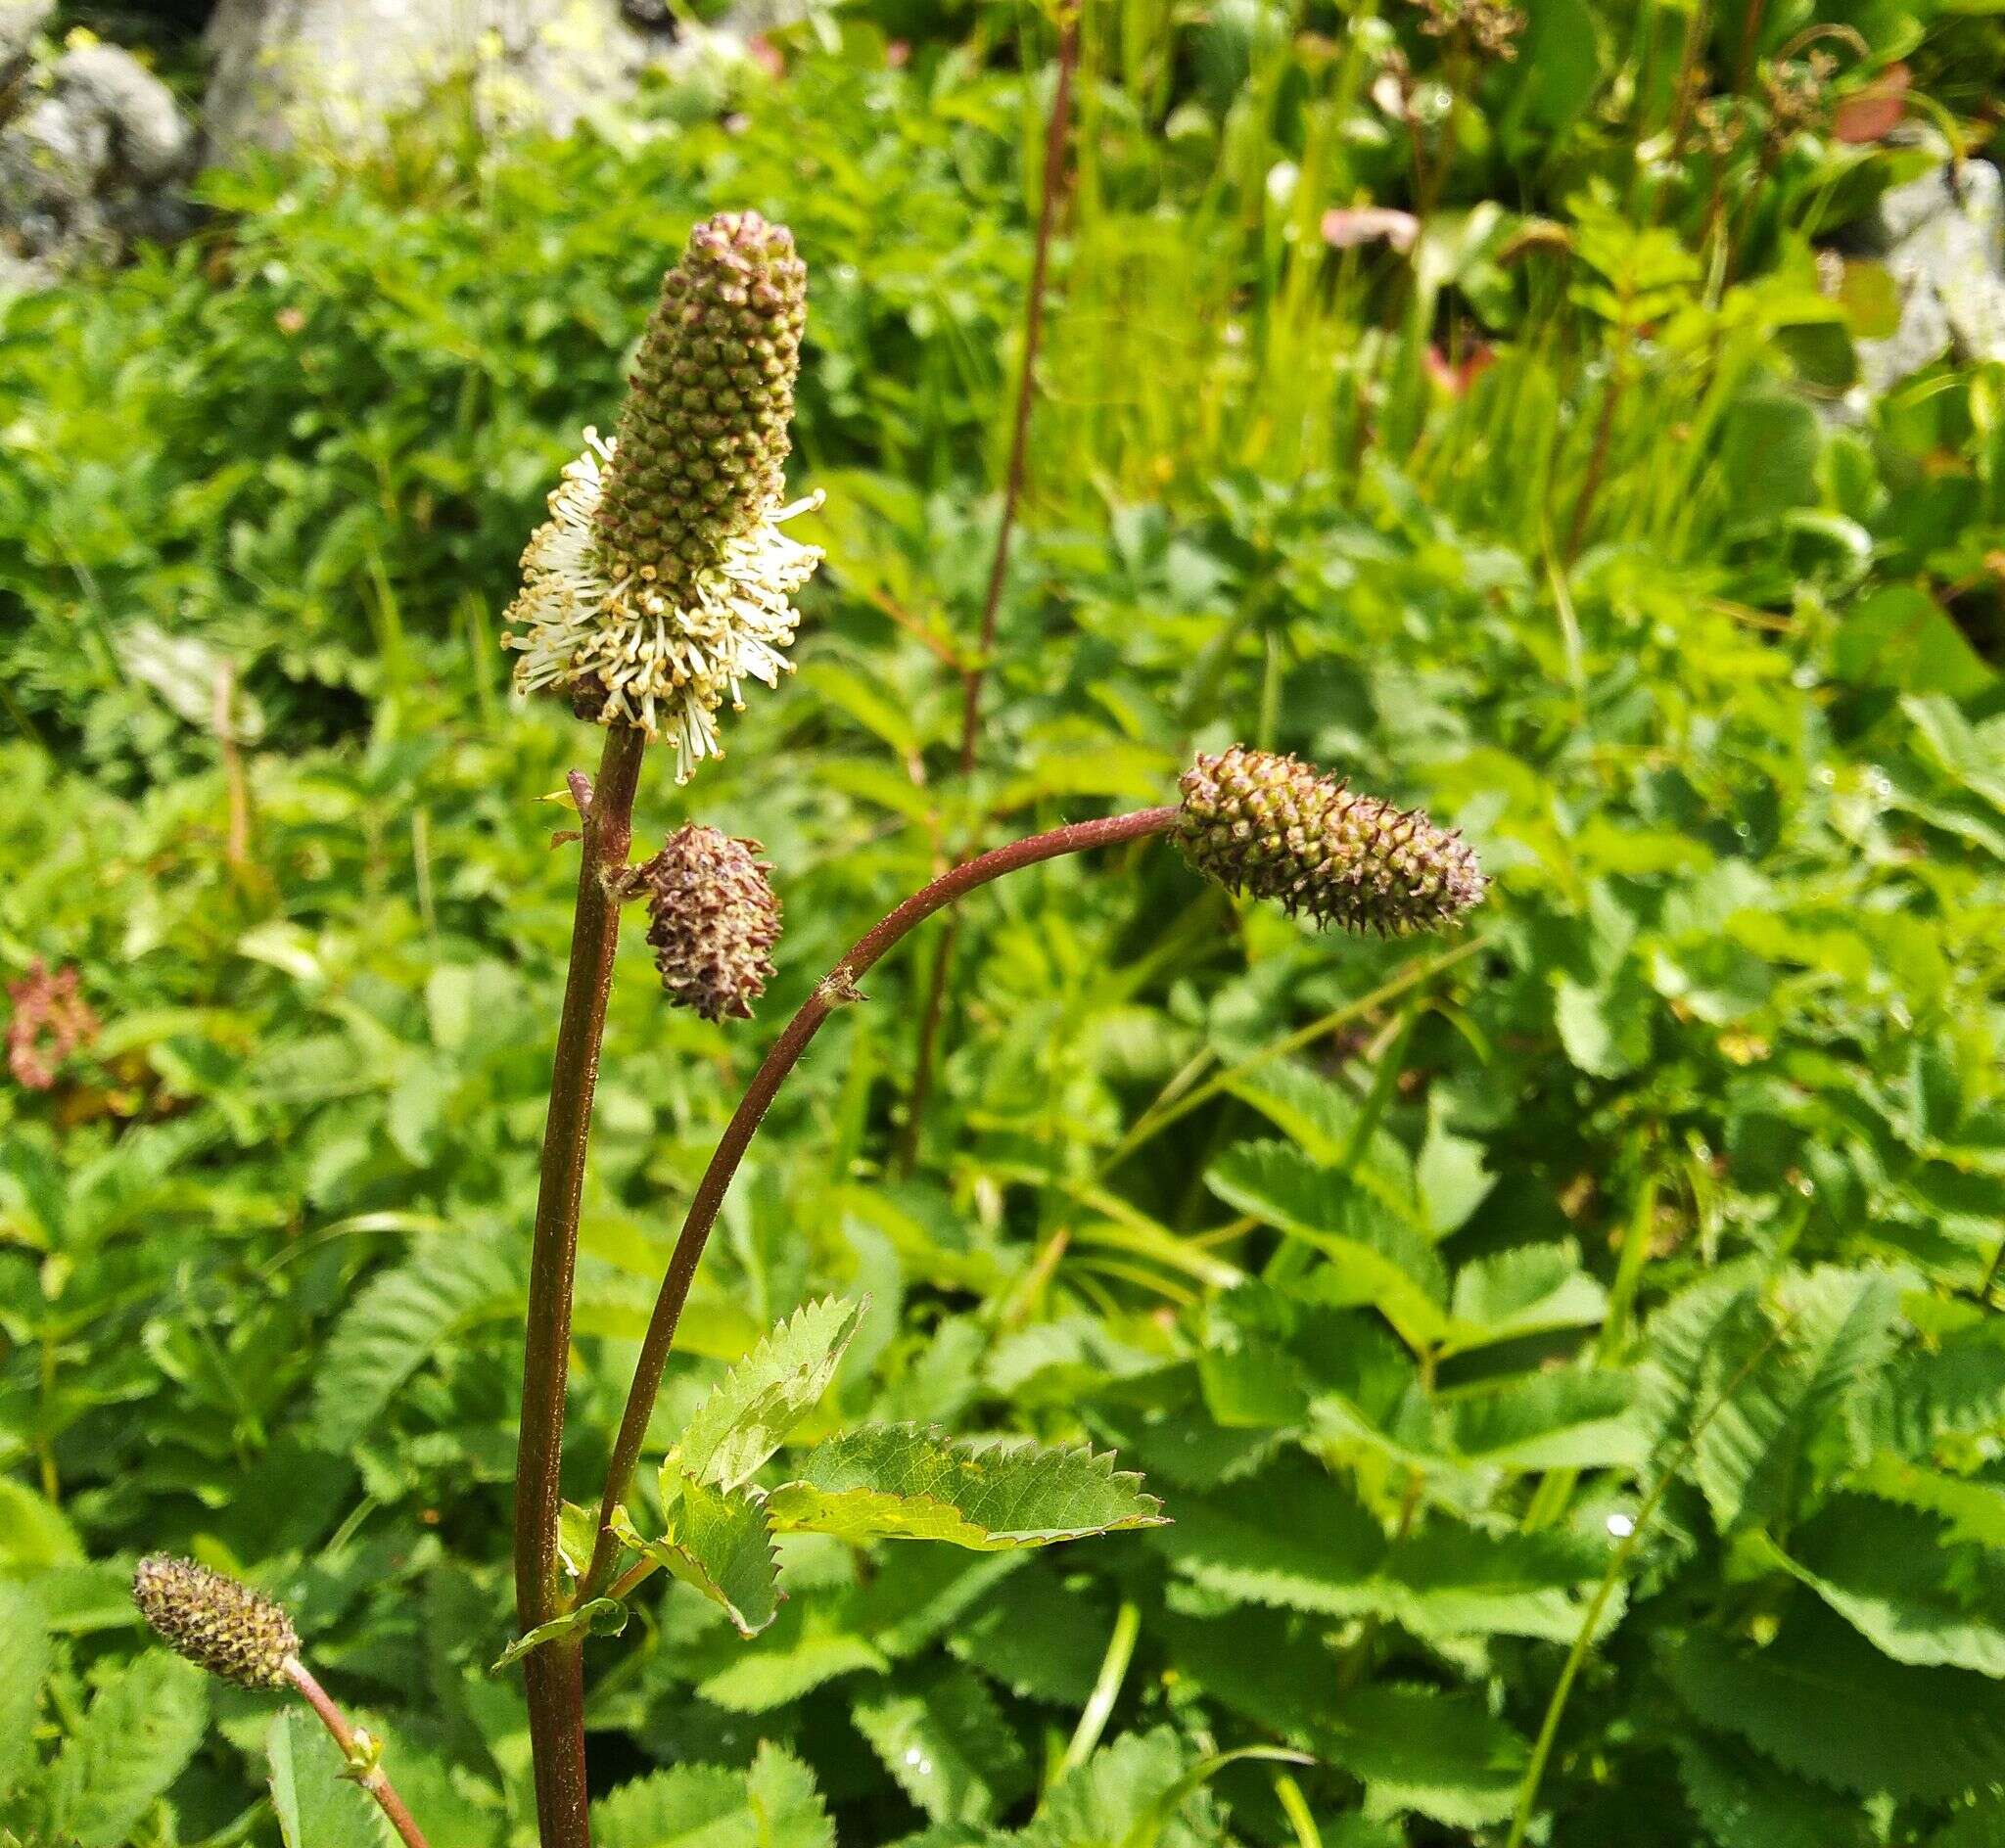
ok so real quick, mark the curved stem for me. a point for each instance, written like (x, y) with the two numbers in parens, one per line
(555, 1675)
(837, 989)
(375, 1780)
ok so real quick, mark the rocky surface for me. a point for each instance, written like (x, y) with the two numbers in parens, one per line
(94, 155)
(1942, 240)
(283, 69)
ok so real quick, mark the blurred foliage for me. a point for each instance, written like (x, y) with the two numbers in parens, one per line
(1614, 1285)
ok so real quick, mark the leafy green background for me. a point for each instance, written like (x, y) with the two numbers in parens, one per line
(1414, 1275)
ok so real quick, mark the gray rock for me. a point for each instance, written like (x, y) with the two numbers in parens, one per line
(286, 69)
(149, 140)
(92, 159)
(1942, 240)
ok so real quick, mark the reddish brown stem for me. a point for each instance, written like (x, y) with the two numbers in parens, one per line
(1598, 459)
(837, 989)
(1055, 132)
(374, 1780)
(555, 1675)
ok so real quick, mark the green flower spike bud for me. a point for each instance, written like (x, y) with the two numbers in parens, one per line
(662, 580)
(1268, 825)
(215, 1622)
(712, 920)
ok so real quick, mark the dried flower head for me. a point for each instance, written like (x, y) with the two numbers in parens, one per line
(1266, 823)
(713, 919)
(662, 580)
(50, 1020)
(215, 1622)
(1490, 28)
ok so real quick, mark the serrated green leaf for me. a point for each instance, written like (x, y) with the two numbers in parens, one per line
(1821, 1701)
(1528, 1290)
(947, 1745)
(1452, 1581)
(317, 1806)
(1947, 1390)
(799, 1653)
(906, 1482)
(1416, 1748)
(1032, 1634)
(1379, 1260)
(597, 1617)
(748, 1415)
(403, 1317)
(144, 1723)
(720, 1540)
(1563, 1420)
(1973, 1506)
(1886, 1571)
(25, 1653)
(1321, 1559)
(1121, 1789)
(1753, 1449)
(1746, 1801)
(578, 1533)
(1330, 1556)
(771, 1805)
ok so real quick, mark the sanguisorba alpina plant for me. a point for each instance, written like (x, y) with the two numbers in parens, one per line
(660, 582)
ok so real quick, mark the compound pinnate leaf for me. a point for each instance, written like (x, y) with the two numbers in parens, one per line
(402, 1320)
(1790, 1388)
(143, 1726)
(907, 1482)
(1821, 1701)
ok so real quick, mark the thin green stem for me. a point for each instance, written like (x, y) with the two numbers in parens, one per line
(836, 990)
(1107, 1688)
(1591, 1618)
(1183, 1094)
(555, 1674)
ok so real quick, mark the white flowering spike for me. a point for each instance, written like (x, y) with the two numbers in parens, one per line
(662, 580)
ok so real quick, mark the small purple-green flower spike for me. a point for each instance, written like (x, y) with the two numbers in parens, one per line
(1268, 825)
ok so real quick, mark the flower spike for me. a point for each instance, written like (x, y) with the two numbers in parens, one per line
(712, 920)
(216, 1622)
(662, 580)
(1267, 823)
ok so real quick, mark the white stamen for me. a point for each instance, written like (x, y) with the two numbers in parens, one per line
(668, 661)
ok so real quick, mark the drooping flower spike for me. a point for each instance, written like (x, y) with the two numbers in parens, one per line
(1268, 825)
(215, 1622)
(713, 919)
(661, 582)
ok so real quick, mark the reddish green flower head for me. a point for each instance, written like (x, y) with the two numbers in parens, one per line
(1268, 825)
(215, 1622)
